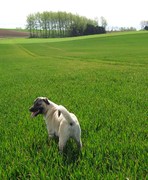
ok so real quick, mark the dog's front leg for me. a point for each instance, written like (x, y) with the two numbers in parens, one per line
(50, 136)
(50, 133)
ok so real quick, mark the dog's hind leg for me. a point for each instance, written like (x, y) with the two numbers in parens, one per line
(62, 143)
(79, 143)
(77, 138)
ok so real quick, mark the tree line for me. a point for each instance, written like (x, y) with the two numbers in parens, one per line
(144, 25)
(61, 24)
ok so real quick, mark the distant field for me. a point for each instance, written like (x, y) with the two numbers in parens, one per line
(7, 33)
(102, 79)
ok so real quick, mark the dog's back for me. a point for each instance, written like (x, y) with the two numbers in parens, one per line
(70, 117)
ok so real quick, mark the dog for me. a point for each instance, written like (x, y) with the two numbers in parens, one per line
(59, 121)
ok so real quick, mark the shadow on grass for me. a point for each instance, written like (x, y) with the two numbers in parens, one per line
(71, 154)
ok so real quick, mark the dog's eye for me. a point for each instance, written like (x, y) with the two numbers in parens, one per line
(38, 104)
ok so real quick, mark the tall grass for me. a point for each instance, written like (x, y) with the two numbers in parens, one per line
(102, 79)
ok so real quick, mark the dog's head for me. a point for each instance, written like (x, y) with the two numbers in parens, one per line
(39, 106)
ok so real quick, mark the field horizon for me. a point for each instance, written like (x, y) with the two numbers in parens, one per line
(13, 33)
(100, 78)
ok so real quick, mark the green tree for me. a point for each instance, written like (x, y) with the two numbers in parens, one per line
(59, 24)
(103, 22)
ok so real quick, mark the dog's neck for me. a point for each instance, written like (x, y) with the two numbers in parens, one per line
(50, 109)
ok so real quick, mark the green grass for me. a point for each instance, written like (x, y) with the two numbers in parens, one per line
(102, 79)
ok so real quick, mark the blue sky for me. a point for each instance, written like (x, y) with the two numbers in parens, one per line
(118, 13)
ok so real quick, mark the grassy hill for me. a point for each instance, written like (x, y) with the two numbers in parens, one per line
(102, 79)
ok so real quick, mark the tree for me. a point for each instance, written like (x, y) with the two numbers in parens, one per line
(103, 22)
(61, 24)
(39, 25)
(146, 28)
(31, 24)
(127, 29)
(92, 29)
(144, 24)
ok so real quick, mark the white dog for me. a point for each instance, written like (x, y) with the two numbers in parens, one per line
(59, 121)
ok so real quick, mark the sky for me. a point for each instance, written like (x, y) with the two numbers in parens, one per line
(118, 13)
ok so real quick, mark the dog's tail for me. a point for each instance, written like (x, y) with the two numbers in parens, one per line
(66, 114)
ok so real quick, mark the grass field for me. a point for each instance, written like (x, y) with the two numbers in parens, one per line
(102, 79)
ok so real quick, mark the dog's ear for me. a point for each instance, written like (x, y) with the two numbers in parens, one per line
(46, 101)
